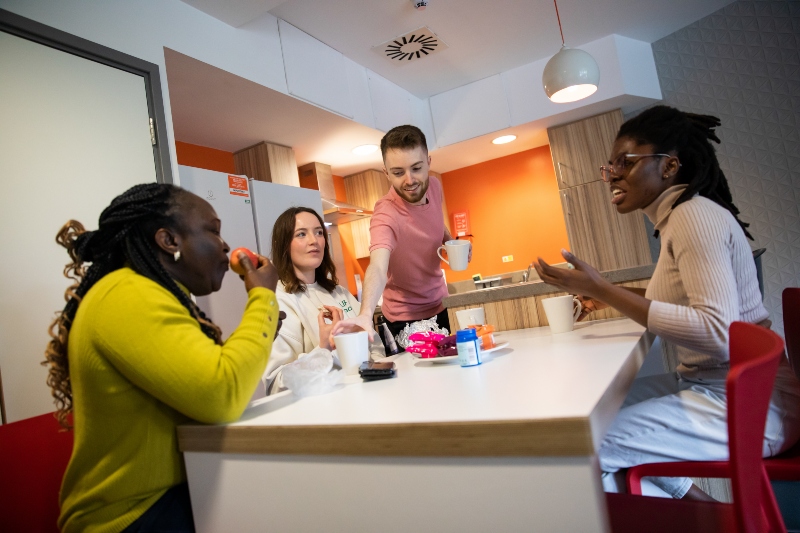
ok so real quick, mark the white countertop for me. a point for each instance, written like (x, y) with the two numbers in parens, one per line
(539, 378)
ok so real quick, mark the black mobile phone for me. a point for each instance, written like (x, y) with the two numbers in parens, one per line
(371, 370)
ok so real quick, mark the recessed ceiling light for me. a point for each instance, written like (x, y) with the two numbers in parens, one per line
(365, 149)
(504, 139)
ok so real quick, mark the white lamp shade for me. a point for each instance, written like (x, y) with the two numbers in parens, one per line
(570, 75)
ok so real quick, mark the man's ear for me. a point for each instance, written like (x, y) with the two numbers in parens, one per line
(168, 241)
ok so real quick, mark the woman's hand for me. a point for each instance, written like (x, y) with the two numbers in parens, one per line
(335, 315)
(265, 275)
(589, 306)
(583, 279)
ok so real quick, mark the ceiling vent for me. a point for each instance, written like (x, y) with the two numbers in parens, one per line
(412, 46)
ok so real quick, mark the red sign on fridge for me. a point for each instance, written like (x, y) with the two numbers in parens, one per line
(238, 186)
(461, 223)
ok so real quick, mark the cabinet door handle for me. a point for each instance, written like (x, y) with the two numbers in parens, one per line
(566, 203)
(560, 175)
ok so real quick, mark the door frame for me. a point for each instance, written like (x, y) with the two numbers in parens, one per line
(31, 30)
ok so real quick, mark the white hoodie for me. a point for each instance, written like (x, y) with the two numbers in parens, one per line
(299, 332)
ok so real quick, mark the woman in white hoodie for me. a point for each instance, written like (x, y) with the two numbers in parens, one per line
(308, 292)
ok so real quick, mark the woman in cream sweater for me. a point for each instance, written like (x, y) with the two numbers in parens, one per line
(663, 164)
(308, 292)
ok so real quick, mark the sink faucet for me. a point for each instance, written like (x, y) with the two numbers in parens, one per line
(527, 275)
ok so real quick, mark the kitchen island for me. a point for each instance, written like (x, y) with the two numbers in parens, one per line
(519, 305)
(509, 445)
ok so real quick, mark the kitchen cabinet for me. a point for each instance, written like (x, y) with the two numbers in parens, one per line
(318, 176)
(364, 189)
(268, 162)
(597, 234)
(579, 148)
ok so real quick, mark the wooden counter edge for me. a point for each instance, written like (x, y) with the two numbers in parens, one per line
(509, 438)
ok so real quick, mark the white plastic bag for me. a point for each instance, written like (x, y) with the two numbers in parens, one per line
(312, 374)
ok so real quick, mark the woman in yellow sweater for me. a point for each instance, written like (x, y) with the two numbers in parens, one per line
(132, 356)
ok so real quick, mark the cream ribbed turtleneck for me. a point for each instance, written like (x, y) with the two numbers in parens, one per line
(705, 279)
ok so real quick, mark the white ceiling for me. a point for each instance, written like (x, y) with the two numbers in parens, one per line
(213, 108)
(484, 37)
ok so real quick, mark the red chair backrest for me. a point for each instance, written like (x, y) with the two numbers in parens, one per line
(33, 457)
(755, 354)
(791, 326)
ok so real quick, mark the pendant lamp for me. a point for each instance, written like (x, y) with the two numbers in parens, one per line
(571, 74)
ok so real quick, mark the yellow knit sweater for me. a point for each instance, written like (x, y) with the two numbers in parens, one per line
(139, 366)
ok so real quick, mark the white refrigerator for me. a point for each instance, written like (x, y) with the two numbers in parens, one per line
(248, 209)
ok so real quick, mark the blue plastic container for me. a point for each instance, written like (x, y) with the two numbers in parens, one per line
(468, 346)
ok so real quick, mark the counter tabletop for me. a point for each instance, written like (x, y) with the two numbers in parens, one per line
(542, 395)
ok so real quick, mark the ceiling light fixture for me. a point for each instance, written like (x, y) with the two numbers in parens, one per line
(365, 149)
(504, 139)
(571, 74)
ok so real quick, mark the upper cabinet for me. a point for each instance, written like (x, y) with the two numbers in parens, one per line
(315, 72)
(579, 148)
(364, 189)
(268, 162)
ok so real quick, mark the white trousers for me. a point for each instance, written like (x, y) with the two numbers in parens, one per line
(666, 418)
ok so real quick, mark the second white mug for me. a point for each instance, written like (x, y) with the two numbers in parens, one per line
(470, 317)
(562, 312)
(457, 254)
(352, 349)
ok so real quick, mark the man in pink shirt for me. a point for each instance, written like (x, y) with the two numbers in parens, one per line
(406, 230)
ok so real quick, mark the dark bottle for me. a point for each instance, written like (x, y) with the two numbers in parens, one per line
(389, 344)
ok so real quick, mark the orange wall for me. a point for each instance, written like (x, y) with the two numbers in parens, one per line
(514, 209)
(192, 155)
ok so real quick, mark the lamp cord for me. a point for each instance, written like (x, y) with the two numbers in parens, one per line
(559, 23)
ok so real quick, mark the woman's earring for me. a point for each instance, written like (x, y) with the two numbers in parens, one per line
(176, 256)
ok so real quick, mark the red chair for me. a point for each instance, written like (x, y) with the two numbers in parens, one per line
(786, 466)
(755, 354)
(33, 457)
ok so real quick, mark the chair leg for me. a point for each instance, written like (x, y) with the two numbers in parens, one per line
(770, 505)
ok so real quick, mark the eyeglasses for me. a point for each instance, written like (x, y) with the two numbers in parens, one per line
(623, 164)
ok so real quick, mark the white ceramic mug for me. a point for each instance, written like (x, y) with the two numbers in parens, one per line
(457, 254)
(562, 312)
(352, 349)
(469, 317)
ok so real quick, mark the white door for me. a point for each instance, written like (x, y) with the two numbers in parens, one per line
(73, 135)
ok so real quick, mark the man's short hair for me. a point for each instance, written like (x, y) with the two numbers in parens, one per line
(403, 138)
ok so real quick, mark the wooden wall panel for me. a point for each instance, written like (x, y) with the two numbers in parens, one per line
(579, 148)
(528, 312)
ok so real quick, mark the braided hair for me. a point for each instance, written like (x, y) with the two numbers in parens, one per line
(125, 236)
(688, 135)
